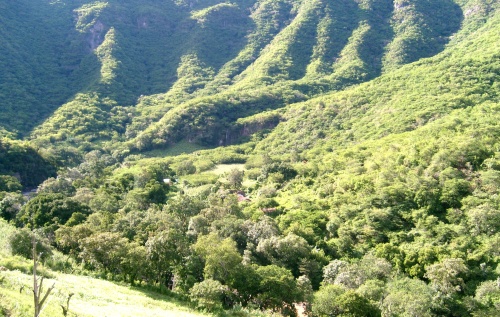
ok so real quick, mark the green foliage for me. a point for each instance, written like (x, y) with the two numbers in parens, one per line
(165, 251)
(9, 184)
(333, 300)
(34, 85)
(104, 251)
(59, 185)
(88, 15)
(235, 178)
(287, 251)
(278, 288)
(419, 28)
(389, 188)
(185, 168)
(50, 211)
(21, 162)
(208, 294)
(86, 118)
(408, 298)
(488, 294)
(21, 243)
(445, 276)
(221, 257)
(10, 205)
(279, 39)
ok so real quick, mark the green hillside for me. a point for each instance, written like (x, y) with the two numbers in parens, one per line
(93, 297)
(180, 50)
(251, 155)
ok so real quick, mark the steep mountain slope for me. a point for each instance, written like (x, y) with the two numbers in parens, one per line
(36, 59)
(122, 51)
(464, 76)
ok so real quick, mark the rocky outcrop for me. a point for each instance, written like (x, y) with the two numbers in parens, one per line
(249, 126)
(96, 35)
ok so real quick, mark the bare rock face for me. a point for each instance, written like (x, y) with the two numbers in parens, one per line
(96, 35)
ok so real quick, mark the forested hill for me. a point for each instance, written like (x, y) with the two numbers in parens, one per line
(58, 55)
(257, 154)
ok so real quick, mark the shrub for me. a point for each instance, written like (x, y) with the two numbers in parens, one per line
(21, 244)
(208, 294)
(185, 168)
(335, 300)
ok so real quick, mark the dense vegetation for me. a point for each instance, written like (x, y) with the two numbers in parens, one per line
(341, 154)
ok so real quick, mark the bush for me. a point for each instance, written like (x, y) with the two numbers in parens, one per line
(334, 300)
(9, 183)
(20, 243)
(10, 204)
(185, 168)
(204, 165)
(60, 262)
(208, 294)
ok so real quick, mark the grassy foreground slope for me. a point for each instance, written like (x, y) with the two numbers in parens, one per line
(92, 297)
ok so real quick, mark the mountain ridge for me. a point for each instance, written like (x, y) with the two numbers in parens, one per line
(127, 79)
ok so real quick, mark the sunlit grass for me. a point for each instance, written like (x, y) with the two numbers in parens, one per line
(225, 168)
(95, 298)
(92, 297)
(5, 231)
